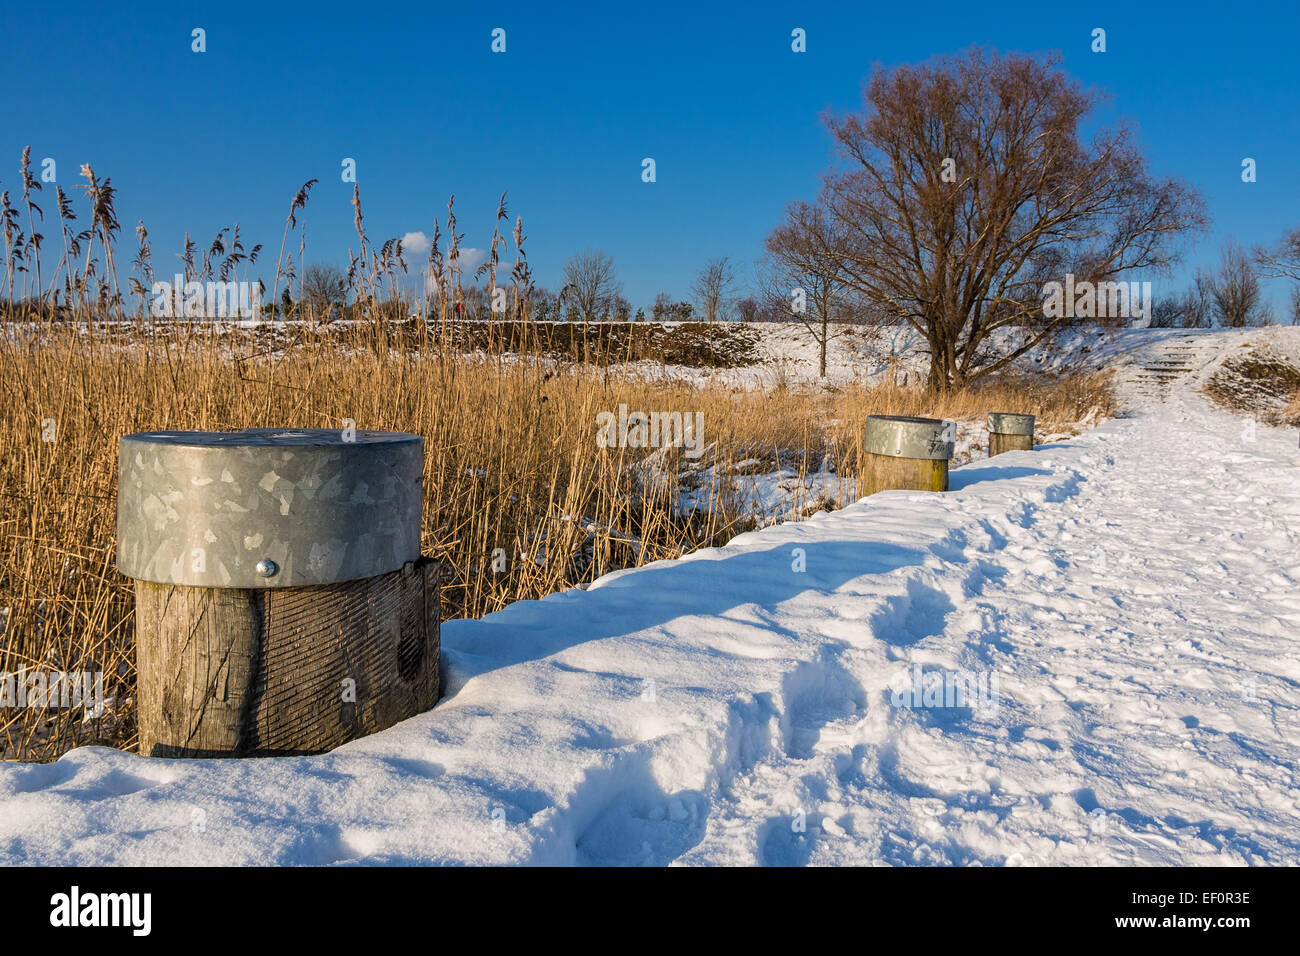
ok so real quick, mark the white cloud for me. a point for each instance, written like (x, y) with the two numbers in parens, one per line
(471, 259)
(415, 243)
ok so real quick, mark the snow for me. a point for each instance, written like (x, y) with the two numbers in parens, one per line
(788, 353)
(1131, 593)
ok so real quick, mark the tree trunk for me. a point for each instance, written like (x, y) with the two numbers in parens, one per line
(937, 380)
(825, 335)
(943, 366)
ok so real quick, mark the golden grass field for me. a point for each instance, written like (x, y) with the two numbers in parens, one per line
(507, 411)
(510, 462)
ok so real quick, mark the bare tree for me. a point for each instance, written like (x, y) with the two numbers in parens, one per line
(1193, 308)
(476, 303)
(667, 309)
(806, 271)
(1235, 289)
(620, 309)
(713, 288)
(324, 288)
(1197, 313)
(964, 185)
(1283, 260)
(590, 284)
(542, 304)
(662, 309)
(1167, 312)
(748, 309)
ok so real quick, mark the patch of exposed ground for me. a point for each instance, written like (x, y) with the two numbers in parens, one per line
(1261, 384)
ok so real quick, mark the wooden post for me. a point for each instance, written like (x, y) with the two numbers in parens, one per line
(1009, 431)
(907, 453)
(282, 605)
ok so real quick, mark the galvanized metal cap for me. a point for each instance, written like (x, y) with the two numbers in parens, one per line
(902, 437)
(1010, 423)
(267, 507)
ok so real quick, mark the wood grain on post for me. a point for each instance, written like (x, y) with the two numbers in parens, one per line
(239, 673)
(900, 452)
(282, 605)
(1009, 431)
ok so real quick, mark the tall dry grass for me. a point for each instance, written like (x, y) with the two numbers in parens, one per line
(511, 463)
(519, 500)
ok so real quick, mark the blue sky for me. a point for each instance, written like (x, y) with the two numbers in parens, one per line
(563, 119)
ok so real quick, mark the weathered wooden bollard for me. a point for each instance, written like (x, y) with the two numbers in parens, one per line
(281, 602)
(1009, 431)
(910, 453)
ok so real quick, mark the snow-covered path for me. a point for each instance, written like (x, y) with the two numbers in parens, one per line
(1135, 590)
(1144, 619)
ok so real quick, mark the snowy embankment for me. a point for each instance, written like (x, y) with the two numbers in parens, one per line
(1134, 591)
(788, 354)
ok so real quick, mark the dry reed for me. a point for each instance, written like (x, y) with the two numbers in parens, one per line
(520, 501)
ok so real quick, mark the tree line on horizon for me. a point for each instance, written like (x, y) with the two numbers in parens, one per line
(958, 192)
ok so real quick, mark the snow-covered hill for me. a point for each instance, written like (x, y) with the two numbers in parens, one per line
(1124, 607)
(1141, 357)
